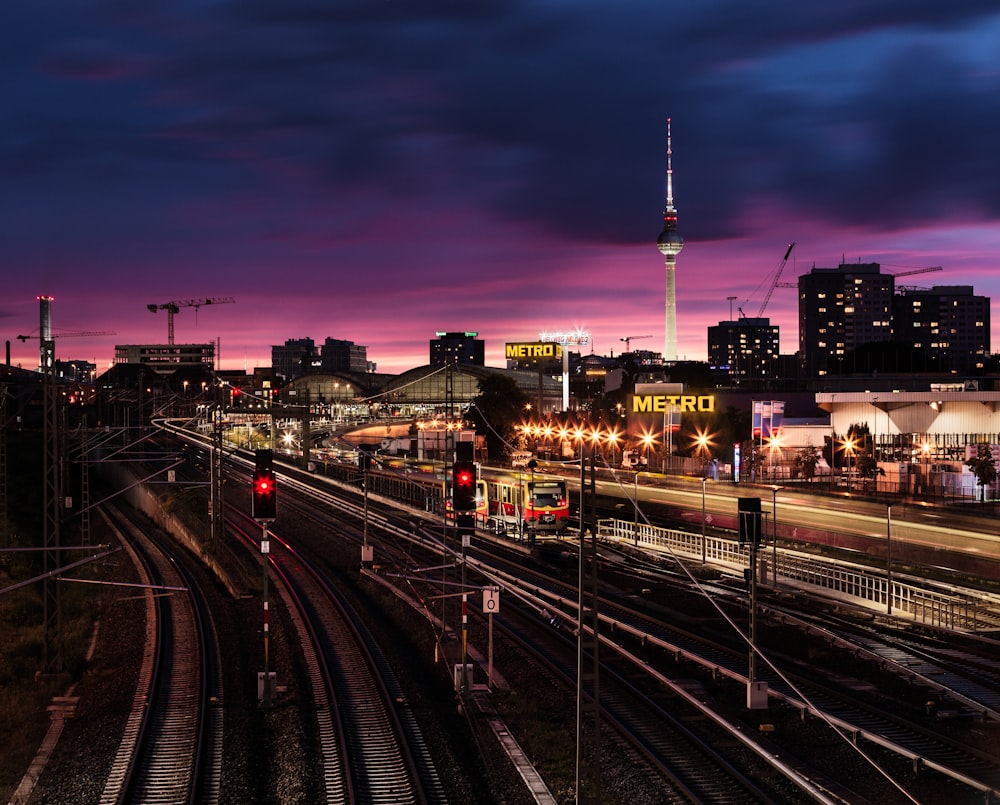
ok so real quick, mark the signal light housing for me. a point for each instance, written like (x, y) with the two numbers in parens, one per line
(463, 486)
(749, 512)
(264, 501)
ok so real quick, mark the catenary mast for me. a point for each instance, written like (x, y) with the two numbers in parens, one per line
(670, 243)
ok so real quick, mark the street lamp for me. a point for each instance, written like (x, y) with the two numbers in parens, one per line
(647, 440)
(613, 437)
(594, 437)
(774, 532)
(702, 441)
(635, 509)
(849, 445)
(773, 444)
(704, 557)
(925, 450)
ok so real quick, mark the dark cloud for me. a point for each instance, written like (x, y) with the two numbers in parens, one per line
(553, 117)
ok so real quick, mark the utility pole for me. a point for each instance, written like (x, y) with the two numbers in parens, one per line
(218, 417)
(588, 777)
(3, 455)
(52, 471)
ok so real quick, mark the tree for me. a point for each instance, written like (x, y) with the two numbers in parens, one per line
(753, 460)
(868, 467)
(805, 462)
(983, 467)
(495, 413)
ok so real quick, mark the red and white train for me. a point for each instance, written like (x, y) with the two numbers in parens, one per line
(518, 504)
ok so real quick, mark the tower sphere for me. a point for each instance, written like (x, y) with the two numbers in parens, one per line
(670, 242)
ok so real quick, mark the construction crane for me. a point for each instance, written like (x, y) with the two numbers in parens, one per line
(774, 282)
(77, 334)
(173, 308)
(46, 347)
(927, 270)
(630, 338)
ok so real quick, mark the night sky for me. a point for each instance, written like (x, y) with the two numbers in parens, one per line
(379, 170)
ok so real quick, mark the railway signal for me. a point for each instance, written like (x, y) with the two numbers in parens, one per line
(265, 488)
(463, 486)
(750, 521)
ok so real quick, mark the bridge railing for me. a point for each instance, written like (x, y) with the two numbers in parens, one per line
(871, 586)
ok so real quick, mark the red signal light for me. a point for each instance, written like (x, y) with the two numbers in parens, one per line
(265, 490)
(464, 486)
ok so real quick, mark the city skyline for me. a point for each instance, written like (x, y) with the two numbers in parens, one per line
(377, 174)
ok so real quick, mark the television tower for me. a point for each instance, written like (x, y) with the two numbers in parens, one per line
(670, 243)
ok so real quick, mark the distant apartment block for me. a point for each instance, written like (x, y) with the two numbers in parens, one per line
(165, 359)
(343, 356)
(293, 358)
(946, 323)
(748, 347)
(841, 309)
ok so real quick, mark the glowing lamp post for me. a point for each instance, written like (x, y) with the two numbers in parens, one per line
(647, 440)
(594, 438)
(849, 447)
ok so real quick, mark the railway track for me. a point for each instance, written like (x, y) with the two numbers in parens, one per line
(685, 763)
(691, 767)
(848, 713)
(961, 670)
(847, 698)
(372, 746)
(171, 750)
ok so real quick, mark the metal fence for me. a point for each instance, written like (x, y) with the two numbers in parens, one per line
(966, 610)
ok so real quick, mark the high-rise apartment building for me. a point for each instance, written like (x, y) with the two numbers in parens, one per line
(841, 309)
(749, 347)
(947, 324)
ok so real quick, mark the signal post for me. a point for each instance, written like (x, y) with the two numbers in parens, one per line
(463, 505)
(264, 508)
(750, 532)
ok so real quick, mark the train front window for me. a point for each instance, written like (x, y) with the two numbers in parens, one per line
(546, 496)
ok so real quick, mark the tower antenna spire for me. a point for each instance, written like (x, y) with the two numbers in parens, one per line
(670, 175)
(670, 243)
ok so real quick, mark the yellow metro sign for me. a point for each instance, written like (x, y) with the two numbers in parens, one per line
(662, 403)
(536, 349)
